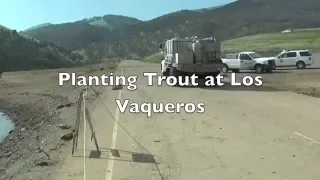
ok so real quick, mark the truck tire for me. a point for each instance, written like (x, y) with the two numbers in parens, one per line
(166, 73)
(225, 68)
(268, 70)
(215, 74)
(301, 65)
(175, 73)
(258, 68)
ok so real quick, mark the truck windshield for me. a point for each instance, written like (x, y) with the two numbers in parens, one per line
(255, 55)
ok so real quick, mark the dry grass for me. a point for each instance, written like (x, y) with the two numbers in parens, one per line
(298, 39)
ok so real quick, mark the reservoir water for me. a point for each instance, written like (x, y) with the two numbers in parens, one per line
(5, 126)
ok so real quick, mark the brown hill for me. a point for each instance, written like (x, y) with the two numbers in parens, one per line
(136, 40)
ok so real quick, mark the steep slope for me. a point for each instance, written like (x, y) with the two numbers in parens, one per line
(111, 22)
(3, 27)
(82, 33)
(208, 9)
(19, 53)
(38, 26)
(69, 35)
(240, 18)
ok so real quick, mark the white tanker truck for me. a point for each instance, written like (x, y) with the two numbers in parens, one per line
(189, 56)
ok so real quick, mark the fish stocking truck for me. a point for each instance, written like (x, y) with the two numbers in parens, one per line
(248, 61)
(191, 56)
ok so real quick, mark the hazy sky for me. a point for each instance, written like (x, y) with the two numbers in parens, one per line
(22, 14)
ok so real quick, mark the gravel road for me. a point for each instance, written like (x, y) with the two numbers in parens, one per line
(245, 133)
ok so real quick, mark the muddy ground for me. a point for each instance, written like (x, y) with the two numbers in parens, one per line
(304, 81)
(37, 105)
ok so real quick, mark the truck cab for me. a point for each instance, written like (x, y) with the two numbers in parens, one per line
(248, 61)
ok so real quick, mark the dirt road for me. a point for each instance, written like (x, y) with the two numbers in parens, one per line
(245, 133)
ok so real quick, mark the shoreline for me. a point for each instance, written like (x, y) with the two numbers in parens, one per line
(37, 107)
(18, 149)
(34, 129)
(12, 117)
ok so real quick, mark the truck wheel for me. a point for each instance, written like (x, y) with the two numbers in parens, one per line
(214, 74)
(166, 73)
(184, 77)
(225, 68)
(269, 70)
(301, 65)
(175, 73)
(258, 68)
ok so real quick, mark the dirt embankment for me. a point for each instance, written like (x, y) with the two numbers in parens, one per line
(38, 105)
(306, 82)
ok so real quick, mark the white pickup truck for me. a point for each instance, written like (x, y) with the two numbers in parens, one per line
(248, 61)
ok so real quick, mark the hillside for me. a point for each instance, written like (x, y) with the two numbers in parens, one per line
(112, 22)
(38, 26)
(3, 27)
(268, 44)
(276, 42)
(137, 40)
(19, 53)
(81, 33)
(207, 9)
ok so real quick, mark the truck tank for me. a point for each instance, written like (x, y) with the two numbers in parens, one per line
(185, 57)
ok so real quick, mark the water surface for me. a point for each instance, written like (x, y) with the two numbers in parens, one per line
(5, 126)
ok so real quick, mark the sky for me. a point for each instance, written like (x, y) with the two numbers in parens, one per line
(23, 14)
